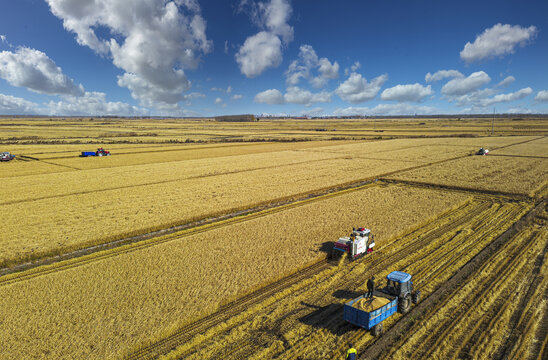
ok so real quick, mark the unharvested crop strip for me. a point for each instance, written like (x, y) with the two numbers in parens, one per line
(126, 248)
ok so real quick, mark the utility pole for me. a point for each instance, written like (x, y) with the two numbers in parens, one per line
(493, 124)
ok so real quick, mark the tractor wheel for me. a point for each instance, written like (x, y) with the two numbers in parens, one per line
(416, 297)
(404, 305)
(377, 329)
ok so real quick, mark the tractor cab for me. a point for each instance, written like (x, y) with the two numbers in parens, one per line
(398, 283)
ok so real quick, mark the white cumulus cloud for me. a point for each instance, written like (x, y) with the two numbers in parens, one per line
(386, 109)
(92, 103)
(237, 97)
(34, 70)
(264, 49)
(498, 40)
(542, 96)
(307, 62)
(356, 89)
(317, 111)
(410, 92)
(259, 52)
(520, 94)
(461, 86)
(507, 81)
(152, 41)
(442, 74)
(271, 96)
(11, 105)
(296, 95)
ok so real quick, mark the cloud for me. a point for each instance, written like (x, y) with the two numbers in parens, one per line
(442, 74)
(264, 49)
(497, 41)
(520, 94)
(237, 97)
(386, 109)
(228, 90)
(507, 81)
(293, 95)
(480, 99)
(352, 68)
(35, 71)
(461, 86)
(411, 92)
(307, 62)
(11, 105)
(271, 96)
(152, 41)
(226, 47)
(356, 89)
(296, 95)
(259, 52)
(542, 96)
(312, 112)
(92, 103)
(218, 101)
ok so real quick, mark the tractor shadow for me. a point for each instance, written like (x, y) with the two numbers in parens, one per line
(330, 317)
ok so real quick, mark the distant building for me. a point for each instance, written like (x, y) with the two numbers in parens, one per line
(236, 118)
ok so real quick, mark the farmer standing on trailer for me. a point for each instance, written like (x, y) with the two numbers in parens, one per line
(351, 354)
(370, 287)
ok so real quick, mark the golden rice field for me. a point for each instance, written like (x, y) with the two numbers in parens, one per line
(121, 300)
(199, 239)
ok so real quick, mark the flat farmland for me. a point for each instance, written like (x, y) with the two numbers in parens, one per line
(123, 299)
(199, 239)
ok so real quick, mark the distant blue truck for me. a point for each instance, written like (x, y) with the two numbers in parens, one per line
(399, 291)
(99, 152)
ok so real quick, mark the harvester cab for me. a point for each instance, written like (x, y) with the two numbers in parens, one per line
(398, 283)
(482, 151)
(6, 156)
(359, 243)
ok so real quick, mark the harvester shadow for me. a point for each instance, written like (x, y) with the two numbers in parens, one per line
(328, 317)
(326, 247)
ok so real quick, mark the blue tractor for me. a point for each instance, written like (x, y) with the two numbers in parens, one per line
(400, 294)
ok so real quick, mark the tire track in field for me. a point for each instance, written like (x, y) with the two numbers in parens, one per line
(442, 295)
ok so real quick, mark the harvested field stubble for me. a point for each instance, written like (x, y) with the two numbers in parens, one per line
(121, 301)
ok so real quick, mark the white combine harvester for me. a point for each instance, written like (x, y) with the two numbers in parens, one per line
(6, 156)
(482, 151)
(359, 243)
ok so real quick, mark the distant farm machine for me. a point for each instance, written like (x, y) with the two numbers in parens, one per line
(359, 243)
(99, 152)
(482, 151)
(6, 156)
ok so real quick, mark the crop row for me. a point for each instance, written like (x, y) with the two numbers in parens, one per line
(297, 332)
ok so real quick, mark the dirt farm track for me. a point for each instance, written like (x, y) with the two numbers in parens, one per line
(204, 240)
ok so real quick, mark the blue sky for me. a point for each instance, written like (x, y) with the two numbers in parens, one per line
(300, 57)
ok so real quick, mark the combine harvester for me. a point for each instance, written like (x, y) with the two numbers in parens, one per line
(359, 243)
(482, 151)
(99, 152)
(6, 156)
(396, 296)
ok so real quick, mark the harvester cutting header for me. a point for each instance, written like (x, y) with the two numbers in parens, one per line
(359, 243)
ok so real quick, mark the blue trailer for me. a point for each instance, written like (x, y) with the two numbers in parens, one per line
(87, 153)
(399, 291)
